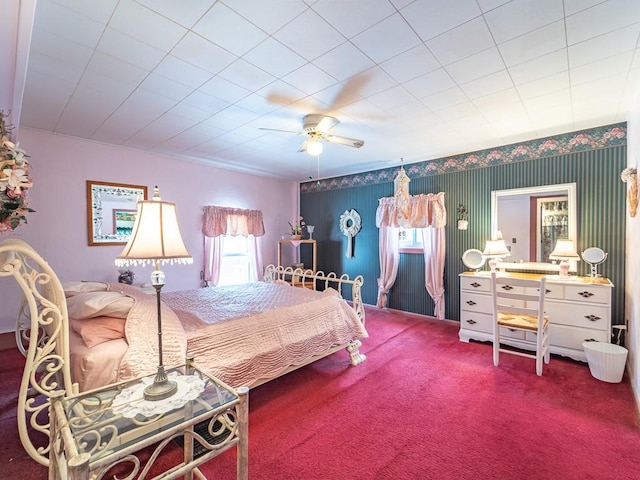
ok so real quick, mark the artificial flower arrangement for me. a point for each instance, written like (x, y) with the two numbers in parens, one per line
(15, 181)
(630, 175)
(297, 226)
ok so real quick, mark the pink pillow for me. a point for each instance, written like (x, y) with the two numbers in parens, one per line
(97, 330)
(96, 304)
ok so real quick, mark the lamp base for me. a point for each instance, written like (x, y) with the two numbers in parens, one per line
(161, 387)
(564, 269)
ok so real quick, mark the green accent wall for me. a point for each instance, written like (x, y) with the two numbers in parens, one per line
(600, 206)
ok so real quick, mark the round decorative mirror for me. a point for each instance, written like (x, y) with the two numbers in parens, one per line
(594, 256)
(473, 259)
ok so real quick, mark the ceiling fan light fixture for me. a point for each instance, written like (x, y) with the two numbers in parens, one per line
(314, 147)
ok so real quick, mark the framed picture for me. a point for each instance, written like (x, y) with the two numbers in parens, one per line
(111, 211)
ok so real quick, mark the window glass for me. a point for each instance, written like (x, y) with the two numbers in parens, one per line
(409, 238)
(234, 268)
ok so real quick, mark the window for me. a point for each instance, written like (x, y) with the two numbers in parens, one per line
(410, 240)
(234, 267)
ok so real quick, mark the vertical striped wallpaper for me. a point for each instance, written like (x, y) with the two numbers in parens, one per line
(601, 222)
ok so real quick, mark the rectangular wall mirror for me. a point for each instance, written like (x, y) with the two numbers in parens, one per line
(532, 219)
(111, 211)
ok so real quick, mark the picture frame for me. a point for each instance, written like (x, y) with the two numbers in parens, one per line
(108, 204)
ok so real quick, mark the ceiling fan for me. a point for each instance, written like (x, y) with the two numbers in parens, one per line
(316, 127)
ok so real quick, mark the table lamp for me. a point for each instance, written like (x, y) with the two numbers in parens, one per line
(155, 238)
(494, 250)
(564, 251)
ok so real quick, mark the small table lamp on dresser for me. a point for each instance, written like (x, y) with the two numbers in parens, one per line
(494, 250)
(156, 239)
(564, 251)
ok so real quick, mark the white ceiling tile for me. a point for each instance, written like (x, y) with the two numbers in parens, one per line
(376, 80)
(205, 102)
(542, 41)
(128, 49)
(224, 89)
(154, 83)
(411, 64)
(552, 83)
(522, 16)
(269, 15)
(246, 75)
(540, 67)
(492, 83)
(344, 61)
(274, 58)
(414, 110)
(99, 11)
(374, 41)
(391, 98)
(486, 5)
(119, 70)
(60, 49)
(309, 35)
(65, 23)
(54, 68)
(459, 111)
(575, 6)
(430, 18)
(43, 108)
(351, 18)
(445, 99)
(280, 93)
(231, 31)
(476, 66)
(147, 26)
(430, 84)
(548, 101)
(604, 46)
(106, 87)
(503, 97)
(200, 52)
(309, 79)
(618, 64)
(461, 42)
(504, 113)
(182, 72)
(602, 18)
(176, 11)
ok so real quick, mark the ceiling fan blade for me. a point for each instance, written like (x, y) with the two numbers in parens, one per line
(349, 142)
(303, 147)
(327, 123)
(284, 131)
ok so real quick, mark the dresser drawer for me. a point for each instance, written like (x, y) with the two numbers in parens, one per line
(476, 302)
(553, 291)
(582, 315)
(572, 337)
(478, 284)
(587, 293)
(479, 322)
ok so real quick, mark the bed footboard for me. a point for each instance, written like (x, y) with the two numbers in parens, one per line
(321, 281)
(42, 336)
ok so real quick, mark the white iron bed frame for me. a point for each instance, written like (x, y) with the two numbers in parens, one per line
(42, 334)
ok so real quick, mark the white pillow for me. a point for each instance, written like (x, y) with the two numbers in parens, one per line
(74, 288)
(95, 304)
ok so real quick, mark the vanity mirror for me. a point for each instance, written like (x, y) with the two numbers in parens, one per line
(531, 220)
(111, 211)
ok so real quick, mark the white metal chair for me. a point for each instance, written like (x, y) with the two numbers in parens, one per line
(518, 304)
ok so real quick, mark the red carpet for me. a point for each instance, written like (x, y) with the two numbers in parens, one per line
(422, 406)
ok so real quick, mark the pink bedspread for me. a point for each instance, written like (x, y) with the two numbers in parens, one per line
(275, 326)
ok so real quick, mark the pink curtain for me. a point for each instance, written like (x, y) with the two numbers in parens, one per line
(232, 221)
(428, 213)
(220, 221)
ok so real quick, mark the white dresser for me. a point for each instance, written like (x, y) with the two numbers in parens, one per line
(578, 308)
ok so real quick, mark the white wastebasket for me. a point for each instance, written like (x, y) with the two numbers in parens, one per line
(606, 360)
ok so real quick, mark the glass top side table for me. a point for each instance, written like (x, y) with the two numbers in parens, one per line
(94, 431)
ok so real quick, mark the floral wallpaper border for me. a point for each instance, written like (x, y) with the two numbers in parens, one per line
(590, 139)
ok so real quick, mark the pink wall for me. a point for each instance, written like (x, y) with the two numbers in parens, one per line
(58, 230)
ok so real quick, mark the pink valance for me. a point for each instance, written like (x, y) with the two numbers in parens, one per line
(232, 221)
(424, 210)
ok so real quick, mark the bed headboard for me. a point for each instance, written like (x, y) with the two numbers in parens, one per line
(319, 281)
(41, 334)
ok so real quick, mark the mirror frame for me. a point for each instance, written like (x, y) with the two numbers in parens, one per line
(541, 189)
(96, 217)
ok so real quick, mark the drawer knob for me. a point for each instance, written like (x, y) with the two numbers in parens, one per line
(471, 303)
(592, 318)
(585, 294)
(475, 285)
(471, 321)
(507, 287)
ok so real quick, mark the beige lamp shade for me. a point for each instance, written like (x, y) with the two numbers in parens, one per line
(496, 248)
(564, 250)
(155, 236)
